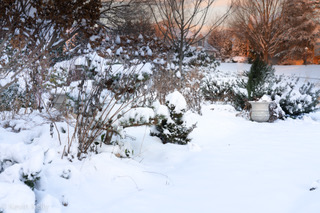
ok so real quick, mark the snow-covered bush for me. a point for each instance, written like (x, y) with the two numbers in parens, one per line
(195, 58)
(167, 78)
(297, 100)
(171, 127)
(22, 163)
(16, 97)
(100, 101)
(214, 90)
(292, 97)
(200, 58)
(255, 83)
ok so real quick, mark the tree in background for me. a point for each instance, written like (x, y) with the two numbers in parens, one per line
(115, 13)
(261, 23)
(282, 29)
(228, 43)
(222, 40)
(135, 20)
(300, 25)
(181, 22)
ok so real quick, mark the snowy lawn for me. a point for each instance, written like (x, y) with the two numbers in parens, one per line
(232, 165)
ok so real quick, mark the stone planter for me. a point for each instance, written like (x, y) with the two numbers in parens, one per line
(260, 111)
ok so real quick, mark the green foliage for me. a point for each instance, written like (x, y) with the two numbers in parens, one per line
(30, 180)
(301, 101)
(58, 78)
(259, 75)
(173, 129)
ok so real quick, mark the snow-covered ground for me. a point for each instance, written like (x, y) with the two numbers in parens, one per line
(232, 165)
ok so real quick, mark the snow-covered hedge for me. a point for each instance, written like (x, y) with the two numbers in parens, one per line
(294, 96)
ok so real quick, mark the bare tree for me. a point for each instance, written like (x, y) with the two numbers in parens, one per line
(115, 13)
(181, 22)
(222, 40)
(135, 20)
(261, 23)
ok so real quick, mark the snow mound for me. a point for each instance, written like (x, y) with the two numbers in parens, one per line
(176, 99)
(16, 198)
(49, 204)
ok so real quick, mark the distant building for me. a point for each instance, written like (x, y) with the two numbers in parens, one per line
(204, 45)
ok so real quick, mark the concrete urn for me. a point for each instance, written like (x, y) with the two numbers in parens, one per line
(260, 111)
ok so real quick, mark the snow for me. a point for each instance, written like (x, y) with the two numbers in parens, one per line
(119, 51)
(178, 74)
(118, 40)
(161, 109)
(231, 165)
(49, 204)
(176, 99)
(16, 198)
(265, 98)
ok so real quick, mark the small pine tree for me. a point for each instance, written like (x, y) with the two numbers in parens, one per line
(173, 129)
(260, 73)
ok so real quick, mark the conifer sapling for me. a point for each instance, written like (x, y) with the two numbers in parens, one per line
(172, 128)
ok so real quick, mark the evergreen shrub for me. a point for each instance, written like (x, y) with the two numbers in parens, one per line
(173, 128)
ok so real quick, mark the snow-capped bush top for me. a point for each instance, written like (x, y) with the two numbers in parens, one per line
(176, 99)
(160, 109)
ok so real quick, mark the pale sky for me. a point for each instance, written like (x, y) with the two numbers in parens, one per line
(219, 7)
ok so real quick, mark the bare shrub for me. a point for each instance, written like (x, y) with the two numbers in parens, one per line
(100, 104)
(191, 89)
(164, 81)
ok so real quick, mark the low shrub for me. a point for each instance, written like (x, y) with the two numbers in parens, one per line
(172, 128)
(214, 90)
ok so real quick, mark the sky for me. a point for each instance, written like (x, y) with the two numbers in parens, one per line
(218, 9)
